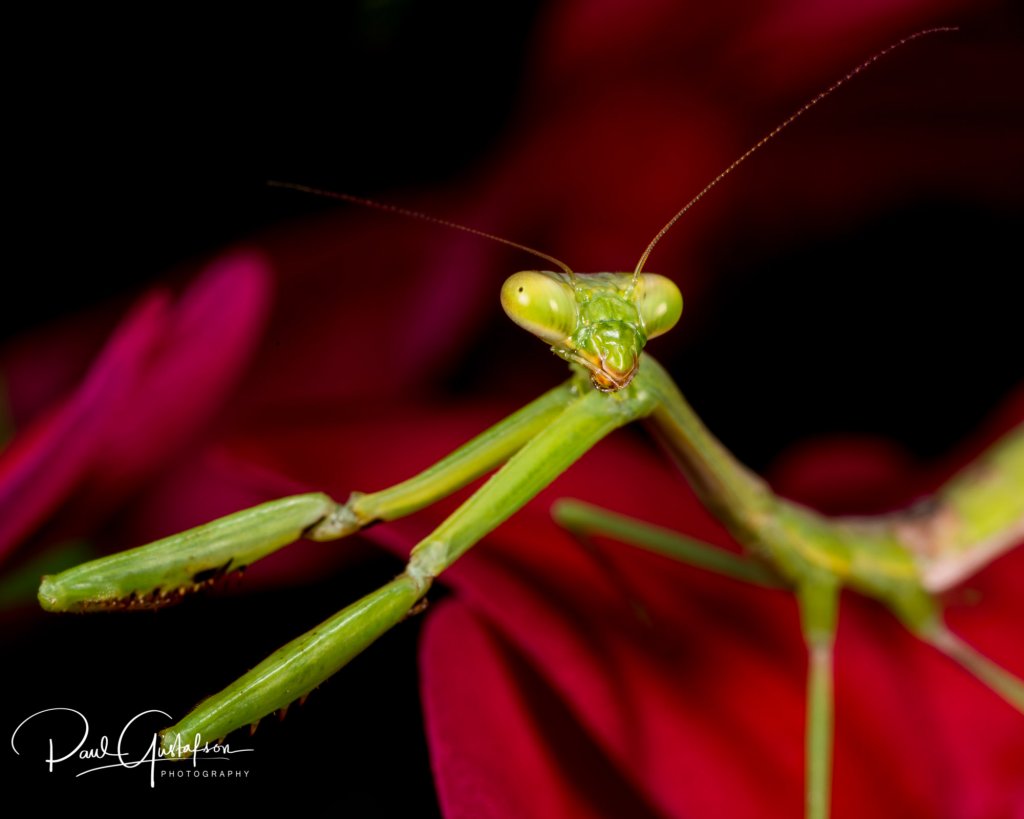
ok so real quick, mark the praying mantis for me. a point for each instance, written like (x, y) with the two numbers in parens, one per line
(599, 324)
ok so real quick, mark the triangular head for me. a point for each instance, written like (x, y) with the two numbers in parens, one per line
(600, 321)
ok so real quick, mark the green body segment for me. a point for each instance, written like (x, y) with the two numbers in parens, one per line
(975, 517)
(988, 496)
(810, 548)
(295, 669)
(158, 573)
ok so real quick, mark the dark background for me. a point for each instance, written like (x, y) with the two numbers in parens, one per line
(137, 155)
(112, 185)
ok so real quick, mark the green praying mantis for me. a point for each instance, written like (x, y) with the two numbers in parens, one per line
(600, 324)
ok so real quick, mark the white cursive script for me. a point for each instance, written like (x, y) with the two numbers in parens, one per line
(146, 745)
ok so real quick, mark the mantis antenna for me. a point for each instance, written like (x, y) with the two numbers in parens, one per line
(803, 109)
(413, 214)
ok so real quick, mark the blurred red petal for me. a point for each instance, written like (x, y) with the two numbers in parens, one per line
(164, 373)
(205, 347)
(342, 329)
(503, 743)
(847, 475)
(47, 461)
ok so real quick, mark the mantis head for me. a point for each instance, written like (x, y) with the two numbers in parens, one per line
(600, 321)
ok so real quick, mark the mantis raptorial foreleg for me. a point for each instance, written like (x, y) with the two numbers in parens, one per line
(161, 572)
(537, 444)
(475, 458)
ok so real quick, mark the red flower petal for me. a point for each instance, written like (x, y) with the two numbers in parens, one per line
(45, 462)
(164, 373)
(502, 741)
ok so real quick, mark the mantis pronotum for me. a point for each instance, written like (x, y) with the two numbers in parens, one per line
(611, 385)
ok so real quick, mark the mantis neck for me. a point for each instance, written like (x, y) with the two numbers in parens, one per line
(733, 493)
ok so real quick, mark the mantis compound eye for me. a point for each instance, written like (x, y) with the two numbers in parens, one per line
(542, 303)
(659, 303)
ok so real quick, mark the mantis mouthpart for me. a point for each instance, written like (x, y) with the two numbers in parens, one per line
(599, 323)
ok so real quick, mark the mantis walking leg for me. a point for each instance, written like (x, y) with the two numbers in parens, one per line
(819, 605)
(818, 602)
(584, 520)
(998, 679)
